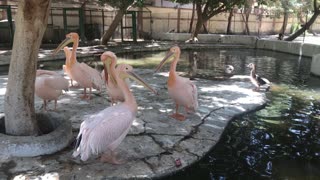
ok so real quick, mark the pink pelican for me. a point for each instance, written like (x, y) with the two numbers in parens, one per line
(103, 132)
(86, 76)
(113, 90)
(49, 86)
(66, 66)
(180, 89)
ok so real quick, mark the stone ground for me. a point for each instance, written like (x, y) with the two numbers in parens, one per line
(155, 140)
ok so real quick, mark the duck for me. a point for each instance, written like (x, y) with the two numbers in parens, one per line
(104, 131)
(228, 69)
(256, 80)
(181, 90)
(49, 86)
(85, 76)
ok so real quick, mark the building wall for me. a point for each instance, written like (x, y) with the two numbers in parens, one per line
(154, 20)
(166, 19)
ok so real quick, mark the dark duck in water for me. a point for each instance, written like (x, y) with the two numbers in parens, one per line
(256, 79)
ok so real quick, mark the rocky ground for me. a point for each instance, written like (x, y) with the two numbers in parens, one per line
(156, 143)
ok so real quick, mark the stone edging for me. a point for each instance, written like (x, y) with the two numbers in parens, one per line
(30, 146)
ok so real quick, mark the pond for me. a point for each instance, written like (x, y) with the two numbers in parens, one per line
(280, 141)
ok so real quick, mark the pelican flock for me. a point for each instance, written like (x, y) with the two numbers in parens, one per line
(102, 132)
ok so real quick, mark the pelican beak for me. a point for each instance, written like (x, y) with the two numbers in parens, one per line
(136, 78)
(62, 45)
(108, 71)
(106, 65)
(164, 60)
(106, 74)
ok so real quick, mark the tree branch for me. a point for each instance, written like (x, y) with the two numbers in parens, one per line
(217, 11)
(315, 6)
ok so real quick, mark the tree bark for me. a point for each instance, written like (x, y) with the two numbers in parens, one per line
(199, 22)
(285, 22)
(192, 16)
(3, 13)
(31, 22)
(245, 19)
(229, 21)
(117, 19)
(304, 28)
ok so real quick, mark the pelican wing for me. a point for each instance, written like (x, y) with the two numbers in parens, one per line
(105, 131)
(56, 82)
(46, 72)
(95, 76)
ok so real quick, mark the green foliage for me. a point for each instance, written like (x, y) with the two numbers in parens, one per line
(294, 27)
(213, 4)
(122, 4)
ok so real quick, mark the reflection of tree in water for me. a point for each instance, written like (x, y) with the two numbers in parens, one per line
(193, 59)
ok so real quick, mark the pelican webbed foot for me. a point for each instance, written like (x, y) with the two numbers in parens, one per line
(178, 116)
(111, 158)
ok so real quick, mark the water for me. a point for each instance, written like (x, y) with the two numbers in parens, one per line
(281, 141)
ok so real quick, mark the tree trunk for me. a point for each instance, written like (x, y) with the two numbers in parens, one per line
(192, 16)
(304, 28)
(229, 21)
(3, 14)
(197, 29)
(247, 22)
(117, 19)
(245, 19)
(178, 20)
(200, 21)
(31, 22)
(205, 29)
(285, 22)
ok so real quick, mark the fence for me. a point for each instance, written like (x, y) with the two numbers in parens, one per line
(91, 22)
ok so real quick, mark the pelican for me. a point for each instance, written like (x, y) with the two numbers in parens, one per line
(103, 132)
(49, 86)
(181, 90)
(66, 67)
(113, 90)
(256, 79)
(86, 76)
